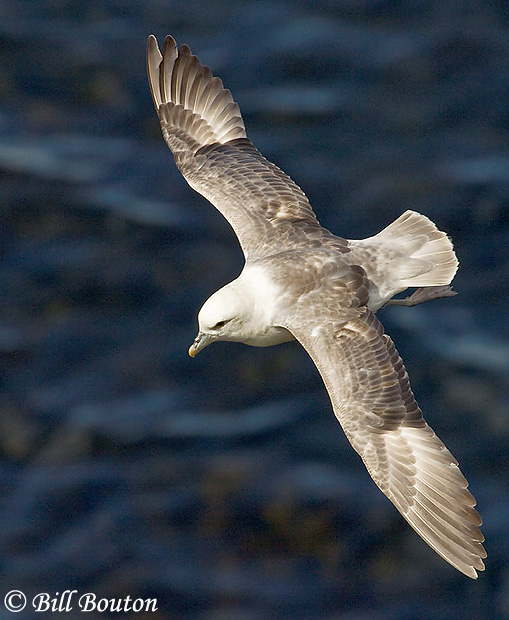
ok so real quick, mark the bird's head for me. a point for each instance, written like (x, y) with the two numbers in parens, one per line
(224, 316)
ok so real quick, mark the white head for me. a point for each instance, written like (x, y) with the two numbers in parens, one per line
(226, 315)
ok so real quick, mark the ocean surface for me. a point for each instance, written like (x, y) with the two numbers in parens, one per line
(223, 486)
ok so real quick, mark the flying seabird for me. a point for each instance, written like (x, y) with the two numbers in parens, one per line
(302, 282)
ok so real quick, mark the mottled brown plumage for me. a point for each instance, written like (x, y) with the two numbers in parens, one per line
(301, 281)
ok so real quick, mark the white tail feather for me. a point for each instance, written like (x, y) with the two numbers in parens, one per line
(434, 262)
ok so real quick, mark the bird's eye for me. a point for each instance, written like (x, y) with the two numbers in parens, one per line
(220, 324)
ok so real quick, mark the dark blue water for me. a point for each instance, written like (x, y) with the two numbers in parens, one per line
(223, 486)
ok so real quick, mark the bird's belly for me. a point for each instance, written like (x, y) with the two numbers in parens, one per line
(269, 337)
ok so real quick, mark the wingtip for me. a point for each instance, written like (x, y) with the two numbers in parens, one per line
(152, 45)
(169, 41)
(185, 50)
(154, 59)
(472, 572)
(181, 82)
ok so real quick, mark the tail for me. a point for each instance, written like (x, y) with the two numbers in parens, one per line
(426, 255)
(409, 252)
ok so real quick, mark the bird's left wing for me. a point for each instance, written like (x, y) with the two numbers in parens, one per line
(372, 399)
(203, 127)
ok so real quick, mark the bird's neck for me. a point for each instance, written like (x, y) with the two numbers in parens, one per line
(260, 297)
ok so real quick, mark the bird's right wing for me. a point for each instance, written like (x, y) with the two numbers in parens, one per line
(371, 396)
(203, 127)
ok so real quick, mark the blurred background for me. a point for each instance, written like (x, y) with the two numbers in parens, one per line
(223, 486)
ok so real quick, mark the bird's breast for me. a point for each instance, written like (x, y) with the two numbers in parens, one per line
(270, 336)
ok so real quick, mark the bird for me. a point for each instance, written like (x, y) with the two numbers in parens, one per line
(301, 282)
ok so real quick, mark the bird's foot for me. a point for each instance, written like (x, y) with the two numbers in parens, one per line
(423, 294)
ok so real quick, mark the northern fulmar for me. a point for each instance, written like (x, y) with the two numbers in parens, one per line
(302, 282)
